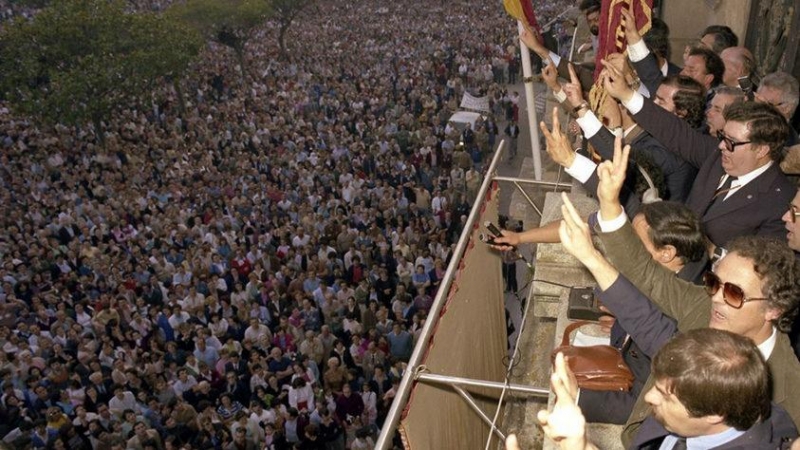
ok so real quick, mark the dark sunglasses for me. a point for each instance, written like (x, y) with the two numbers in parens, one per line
(730, 144)
(731, 293)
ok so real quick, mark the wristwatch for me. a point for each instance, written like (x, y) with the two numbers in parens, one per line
(578, 108)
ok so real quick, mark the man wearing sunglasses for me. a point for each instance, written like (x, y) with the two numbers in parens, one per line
(740, 189)
(753, 291)
(793, 240)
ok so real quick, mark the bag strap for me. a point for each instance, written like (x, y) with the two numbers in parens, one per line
(572, 327)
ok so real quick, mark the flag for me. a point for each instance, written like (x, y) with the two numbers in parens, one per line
(522, 10)
(612, 34)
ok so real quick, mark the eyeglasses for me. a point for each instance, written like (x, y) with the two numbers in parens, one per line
(730, 144)
(731, 293)
(794, 213)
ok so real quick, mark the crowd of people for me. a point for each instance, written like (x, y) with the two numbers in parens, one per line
(252, 272)
(699, 265)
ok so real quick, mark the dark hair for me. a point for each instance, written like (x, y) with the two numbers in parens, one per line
(716, 372)
(689, 99)
(589, 6)
(643, 159)
(724, 37)
(779, 272)
(657, 38)
(766, 125)
(714, 64)
(673, 223)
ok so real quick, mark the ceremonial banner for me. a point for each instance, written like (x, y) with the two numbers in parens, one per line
(475, 103)
(612, 33)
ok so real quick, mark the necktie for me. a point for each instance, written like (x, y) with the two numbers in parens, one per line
(721, 193)
(680, 444)
(723, 190)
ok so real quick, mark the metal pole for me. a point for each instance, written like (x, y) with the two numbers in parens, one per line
(404, 390)
(445, 379)
(535, 182)
(533, 123)
(557, 18)
(468, 398)
(529, 199)
(574, 38)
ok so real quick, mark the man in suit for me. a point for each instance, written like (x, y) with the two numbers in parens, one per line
(679, 95)
(649, 55)
(717, 38)
(671, 234)
(711, 391)
(753, 290)
(782, 91)
(740, 189)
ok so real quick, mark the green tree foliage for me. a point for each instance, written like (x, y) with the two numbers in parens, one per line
(228, 22)
(286, 11)
(77, 60)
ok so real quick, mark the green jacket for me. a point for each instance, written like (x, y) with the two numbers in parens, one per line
(691, 307)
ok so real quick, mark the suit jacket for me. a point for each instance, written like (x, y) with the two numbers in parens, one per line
(768, 434)
(690, 306)
(624, 299)
(755, 208)
(649, 330)
(678, 174)
(650, 73)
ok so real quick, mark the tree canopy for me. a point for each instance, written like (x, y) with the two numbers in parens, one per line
(228, 22)
(286, 11)
(76, 60)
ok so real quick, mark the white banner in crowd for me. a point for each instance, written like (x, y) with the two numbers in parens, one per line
(475, 103)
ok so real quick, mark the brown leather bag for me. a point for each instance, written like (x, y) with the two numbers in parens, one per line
(596, 367)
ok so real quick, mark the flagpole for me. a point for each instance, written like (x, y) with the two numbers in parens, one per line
(533, 123)
(574, 38)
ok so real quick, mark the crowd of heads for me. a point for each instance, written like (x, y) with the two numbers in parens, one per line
(258, 261)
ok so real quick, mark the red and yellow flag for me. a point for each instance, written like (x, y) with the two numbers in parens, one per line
(522, 10)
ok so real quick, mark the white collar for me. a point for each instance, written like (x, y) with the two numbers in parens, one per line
(768, 346)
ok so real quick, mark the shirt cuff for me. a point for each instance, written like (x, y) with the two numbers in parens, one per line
(555, 58)
(643, 90)
(590, 124)
(560, 96)
(638, 51)
(635, 104)
(609, 226)
(582, 168)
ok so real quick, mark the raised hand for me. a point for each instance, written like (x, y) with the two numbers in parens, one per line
(511, 442)
(574, 233)
(614, 82)
(612, 175)
(550, 77)
(629, 24)
(531, 40)
(565, 423)
(558, 145)
(573, 88)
